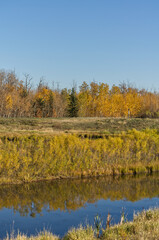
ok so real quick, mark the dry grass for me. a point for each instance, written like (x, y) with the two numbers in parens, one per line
(81, 233)
(74, 125)
(145, 226)
(45, 235)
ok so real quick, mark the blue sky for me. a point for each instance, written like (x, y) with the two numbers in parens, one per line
(108, 41)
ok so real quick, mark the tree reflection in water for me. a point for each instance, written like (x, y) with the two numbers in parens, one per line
(31, 199)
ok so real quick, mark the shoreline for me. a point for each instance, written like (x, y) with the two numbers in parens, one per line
(145, 225)
(8, 182)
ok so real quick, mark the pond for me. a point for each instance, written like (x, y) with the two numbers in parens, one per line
(62, 204)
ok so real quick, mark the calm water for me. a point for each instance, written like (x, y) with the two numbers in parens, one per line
(59, 205)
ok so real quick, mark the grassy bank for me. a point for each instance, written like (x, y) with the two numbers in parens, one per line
(144, 226)
(51, 126)
(33, 157)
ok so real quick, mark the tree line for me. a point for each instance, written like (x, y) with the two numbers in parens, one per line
(19, 99)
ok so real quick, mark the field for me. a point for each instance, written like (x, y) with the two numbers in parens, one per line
(51, 126)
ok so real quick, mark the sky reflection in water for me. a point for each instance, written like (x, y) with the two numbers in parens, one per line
(59, 205)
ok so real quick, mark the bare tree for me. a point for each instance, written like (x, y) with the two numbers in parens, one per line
(27, 82)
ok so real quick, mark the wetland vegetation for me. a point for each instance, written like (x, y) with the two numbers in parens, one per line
(35, 157)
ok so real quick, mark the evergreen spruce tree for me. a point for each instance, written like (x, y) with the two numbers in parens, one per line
(51, 104)
(73, 104)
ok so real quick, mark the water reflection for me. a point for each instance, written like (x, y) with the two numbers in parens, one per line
(32, 199)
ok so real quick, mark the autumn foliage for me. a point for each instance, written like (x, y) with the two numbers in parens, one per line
(19, 99)
(31, 158)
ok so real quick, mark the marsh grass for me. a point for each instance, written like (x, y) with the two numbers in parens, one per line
(44, 235)
(85, 233)
(33, 157)
(145, 226)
